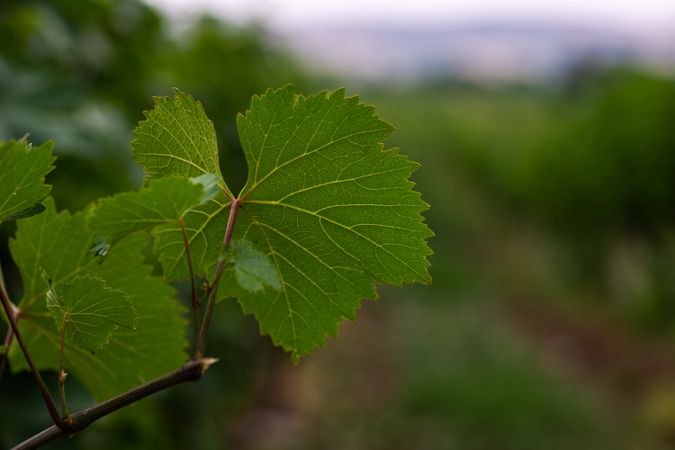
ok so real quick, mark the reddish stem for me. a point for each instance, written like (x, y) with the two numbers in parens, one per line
(200, 347)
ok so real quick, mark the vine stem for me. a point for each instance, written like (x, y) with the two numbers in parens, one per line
(193, 370)
(12, 313)
(200, 345)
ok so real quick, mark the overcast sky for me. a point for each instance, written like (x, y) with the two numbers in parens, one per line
(544, 37)
(658, 15)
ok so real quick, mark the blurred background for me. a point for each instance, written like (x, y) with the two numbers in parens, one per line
(546, 134)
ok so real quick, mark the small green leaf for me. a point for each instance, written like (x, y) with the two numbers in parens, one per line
(211, 184)
(22, 175)
(253, 269)
(163, 200)
(90, 311)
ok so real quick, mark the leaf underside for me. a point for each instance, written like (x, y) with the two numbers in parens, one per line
(333, 210)
(22, 175)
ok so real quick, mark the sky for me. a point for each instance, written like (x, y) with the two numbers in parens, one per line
(299, 13)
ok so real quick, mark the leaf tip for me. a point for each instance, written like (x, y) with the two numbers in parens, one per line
(295, 358)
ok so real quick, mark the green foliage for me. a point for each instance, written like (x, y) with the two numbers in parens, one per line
(59, 244)
(80, 72)
(326, 214)
(88, 311)
(22, 175)
(613, 164)
(333, 210)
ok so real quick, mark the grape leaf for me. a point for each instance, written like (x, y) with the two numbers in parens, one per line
(89, 311)
(22, 175)
(60, 244)
(330, 206)
(162, 200)
(176, 139)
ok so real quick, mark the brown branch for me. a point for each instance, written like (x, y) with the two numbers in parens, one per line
(191, 371)
(11, 313)
(200, 345)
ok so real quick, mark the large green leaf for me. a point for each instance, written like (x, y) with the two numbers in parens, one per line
(334, 210)
(22, 175)
(89, 311)
(60, 245)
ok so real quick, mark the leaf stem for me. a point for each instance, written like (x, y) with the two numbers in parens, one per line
(9, 337)
(196, 302)
(12, 313)
(193, 370)
(3, 286)
(62, 370)
(213, 289)
(10, 331)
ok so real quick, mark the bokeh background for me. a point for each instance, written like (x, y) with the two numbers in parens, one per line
(546, 135)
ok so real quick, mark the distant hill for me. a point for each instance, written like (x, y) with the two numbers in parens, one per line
(482, 52)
